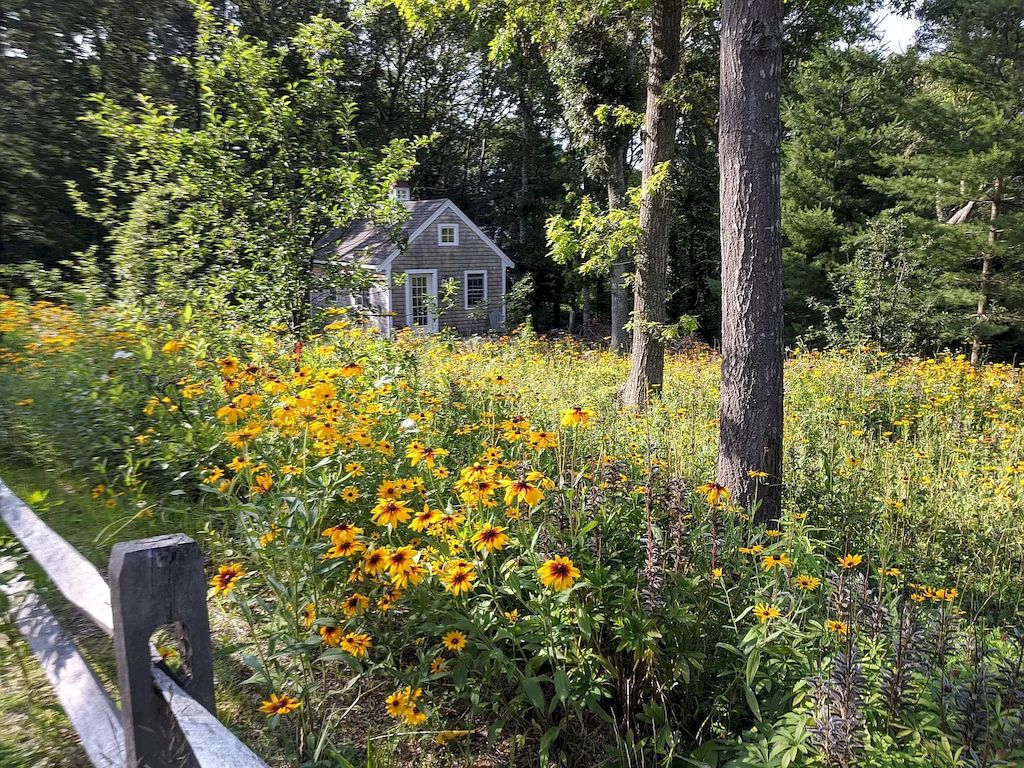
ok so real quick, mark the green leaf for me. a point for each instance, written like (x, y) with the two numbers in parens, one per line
(561, 685)
(531, 687)
(549, 736)
(748, 693)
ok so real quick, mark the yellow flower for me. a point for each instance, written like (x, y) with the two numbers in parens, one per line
(349, 494)
(425, 518)
(26, 401)
(715, 494)
(355, 469)
(458, 577)
(396, 704)
(98, 490)
(279, 705)
(849, 561)
(263, 483)
(348, 370)
(716, 573)
(413, 715)
(375, 560)
(401, 560)
(754, 550)
(765, 612)
(173, 347)
(390, 512)
(443, 737)
(342, 532)
(558, 573)
(807, 583)
(228, 365)
(227, 577)
(454, 641)
(355, 603)
(521, 490)
(838, 627)
(490, 537)
(418, 452)
(577, 416)
(356, 644)
(308, 615)
(776, 561)
(330, 635)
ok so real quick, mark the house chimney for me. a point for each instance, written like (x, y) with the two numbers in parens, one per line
(400, 190)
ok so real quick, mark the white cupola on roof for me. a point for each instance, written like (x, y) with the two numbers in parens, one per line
(400, 190)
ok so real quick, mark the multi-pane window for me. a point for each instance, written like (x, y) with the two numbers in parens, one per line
(448, 234)
(476, 288)
(419, 304)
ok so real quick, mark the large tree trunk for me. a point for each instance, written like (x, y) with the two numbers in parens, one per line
(647, 364)
(621, 296)
(750, 436)
(986, 275)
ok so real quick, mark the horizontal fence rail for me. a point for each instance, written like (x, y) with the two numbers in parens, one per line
(166, 719)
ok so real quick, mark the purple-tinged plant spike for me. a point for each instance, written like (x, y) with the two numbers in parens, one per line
(974, 699)
(839, 697)
(906, 658)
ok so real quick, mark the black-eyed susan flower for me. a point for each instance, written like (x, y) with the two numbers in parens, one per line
(279, 705)
(227, 578)
(522, 490)
(765, 612)
(356, 644)
(716, 495)
(807, 583)
(458, 577)
(559, 573)
(331, 636)
(390, 512)
(454, 641)
(355, 603)
(837, 627)
(848, 561)
(776, 561)
(577, 416)
(490, 538)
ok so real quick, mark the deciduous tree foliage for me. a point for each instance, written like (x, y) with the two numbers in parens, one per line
(228, 210)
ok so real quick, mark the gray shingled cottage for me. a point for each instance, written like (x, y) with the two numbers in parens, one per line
(437, 244)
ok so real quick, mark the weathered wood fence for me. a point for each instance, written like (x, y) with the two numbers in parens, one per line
(166, 718)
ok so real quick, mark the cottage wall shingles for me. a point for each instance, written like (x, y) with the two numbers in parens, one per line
(451, 263)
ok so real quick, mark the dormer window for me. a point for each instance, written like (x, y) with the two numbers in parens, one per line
(447, 234)
(400, 191)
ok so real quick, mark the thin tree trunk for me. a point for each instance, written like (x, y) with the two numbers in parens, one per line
(750, 432)
(621, 296)
(647, 363)
(986, 276)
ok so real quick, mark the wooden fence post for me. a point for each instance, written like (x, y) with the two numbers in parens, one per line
(154, 582)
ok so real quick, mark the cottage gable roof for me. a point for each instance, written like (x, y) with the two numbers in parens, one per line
(370, 244)
(375, 246)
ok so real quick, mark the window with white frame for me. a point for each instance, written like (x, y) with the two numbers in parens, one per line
(447, 234)
(476, 288)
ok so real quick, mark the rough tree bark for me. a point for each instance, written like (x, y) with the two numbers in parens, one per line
(750, 432)
(977, 346)
(616, 163)
(647, 362)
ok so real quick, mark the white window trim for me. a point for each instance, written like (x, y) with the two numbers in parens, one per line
(432, 327)
(465, 287)
(441, 228)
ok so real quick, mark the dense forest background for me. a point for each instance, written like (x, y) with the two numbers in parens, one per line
(901, 173)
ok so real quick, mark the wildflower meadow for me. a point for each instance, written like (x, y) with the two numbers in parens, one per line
(430, 551)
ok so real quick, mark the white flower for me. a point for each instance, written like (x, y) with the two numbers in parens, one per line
(409, 425)
(122, 355)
